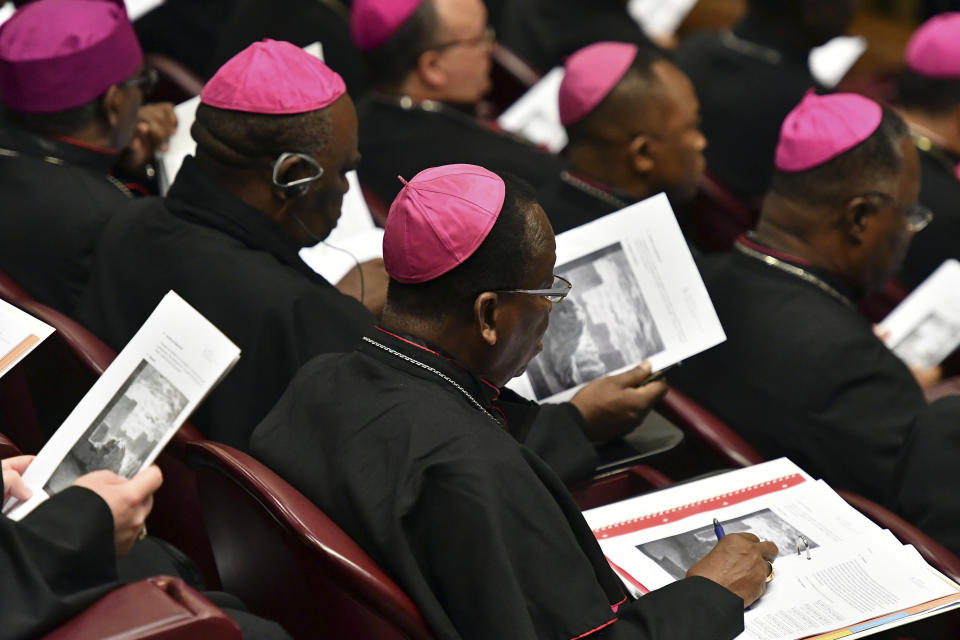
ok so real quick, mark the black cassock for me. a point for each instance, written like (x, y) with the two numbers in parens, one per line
(571, 201)
(414, 458)
(545, 32)
(301, 22)
(55, 199)
(802, 375)
(403, 141)
(939, 192)
(240, 270)
(747, 83)
(55, 562)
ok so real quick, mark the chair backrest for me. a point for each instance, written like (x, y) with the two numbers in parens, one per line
(932, 551)
(696, 421)
(510, 77)
(176, 83)
(716, 217)
(10, 290)
(7, 448)
(618, 485)
(159, 608)
(288, 561)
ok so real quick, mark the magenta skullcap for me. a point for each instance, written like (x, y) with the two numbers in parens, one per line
(273, 77)
(373, 22)
(591, 74)
(59, 54)
(934, 48)
(821, 128)
(439, 219)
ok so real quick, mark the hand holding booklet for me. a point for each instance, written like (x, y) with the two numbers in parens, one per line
(137, 405)
(637, 295)
(837, 572)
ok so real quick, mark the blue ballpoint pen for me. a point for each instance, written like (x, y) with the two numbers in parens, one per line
(718, 529)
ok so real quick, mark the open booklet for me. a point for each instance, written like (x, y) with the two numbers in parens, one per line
(925, 328)
(355, 238)
(20, 333)
(837, 572)
(637, 295)
(137, 405)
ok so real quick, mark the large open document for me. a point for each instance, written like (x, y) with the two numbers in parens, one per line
(836, 570)
(925, 328)
(20, 333)
(137, 405)
(637, 295)
(536, 114)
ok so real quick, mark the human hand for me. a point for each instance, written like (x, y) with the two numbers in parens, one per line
(615, 405)
(156, 123)
(927, 377)
(130, 500)
(13, 484)
(374, 289)
(739, 562)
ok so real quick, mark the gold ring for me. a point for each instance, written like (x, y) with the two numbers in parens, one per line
(143, 533)
(769, 575)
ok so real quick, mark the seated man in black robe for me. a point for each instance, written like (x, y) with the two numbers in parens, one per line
(750, 77)
(408, 443)
(929, 101)
(64, 130)
(801, 373)
(429, 65)
(276, 133)
(545, 32)
(632, 120)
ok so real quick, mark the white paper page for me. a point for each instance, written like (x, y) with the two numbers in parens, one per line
(137, 8)
(20, 333)
(137, 405)
(6, 10)
(181, 143)
(830, 62)
(660, 18)
(333, 259)
(536, 114)
(659, 555)
(925, 328)
(690, 492)
(636, 295)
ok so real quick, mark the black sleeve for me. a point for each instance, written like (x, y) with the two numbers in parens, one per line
(555, 432)
(690, 609)
(55, 562)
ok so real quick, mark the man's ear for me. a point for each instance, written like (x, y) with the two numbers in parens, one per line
(113, 106)
(486, 308)
(430, 71)
(640, 154)
(858, 216)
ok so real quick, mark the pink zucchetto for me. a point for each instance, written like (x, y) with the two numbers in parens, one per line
(821, 128)
(273, 77)
(59, 54)
(439, 219)
(934, 48)
(591, 74)
(373, 22)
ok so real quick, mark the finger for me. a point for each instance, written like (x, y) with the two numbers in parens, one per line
(18, 463)
(768, 550)
(147, 481)
(13, 485)
(633, 377)
(743, 535)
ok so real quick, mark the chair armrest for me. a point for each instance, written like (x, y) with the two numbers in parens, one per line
(159, 608)
(7, 448)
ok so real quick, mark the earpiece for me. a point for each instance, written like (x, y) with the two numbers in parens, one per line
(300, 186)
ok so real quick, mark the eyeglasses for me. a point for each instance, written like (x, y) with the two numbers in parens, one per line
(556, 293)
(145, 81)
(488, 36)
(917, 215)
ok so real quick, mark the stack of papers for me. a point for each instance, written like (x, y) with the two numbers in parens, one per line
(838, 573)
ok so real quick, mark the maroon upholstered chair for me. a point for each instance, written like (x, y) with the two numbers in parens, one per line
(49, 384)
(716, 217)
(159, 608)
(618, 485)
(288, 561)
(176, 83)
(931, 550)
(10, 290)
(696, 421)
(7, 448)
(510, 77)
(378, 208)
